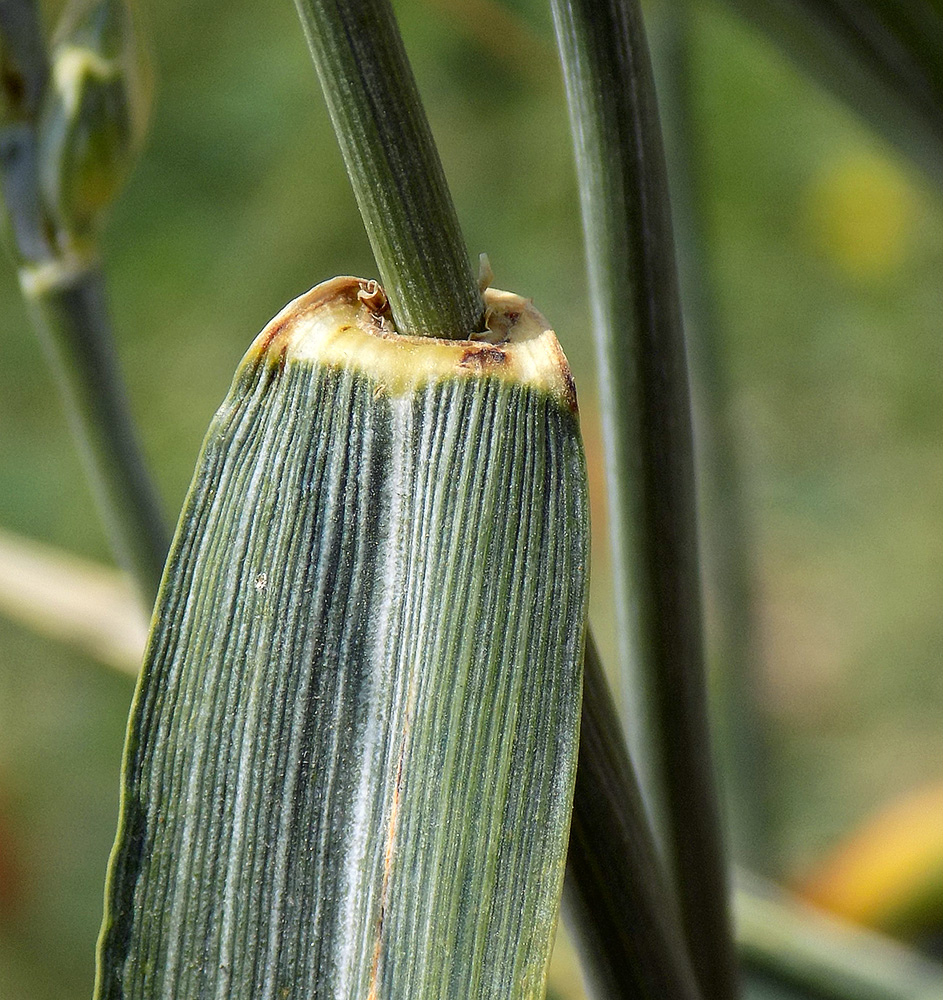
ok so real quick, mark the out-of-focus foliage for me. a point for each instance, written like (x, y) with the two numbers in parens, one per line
(827, 251)
(889, 873)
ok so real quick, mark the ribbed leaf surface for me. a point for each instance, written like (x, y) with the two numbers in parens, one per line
(351, 755)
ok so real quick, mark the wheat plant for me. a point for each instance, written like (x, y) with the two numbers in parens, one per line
(373, 751)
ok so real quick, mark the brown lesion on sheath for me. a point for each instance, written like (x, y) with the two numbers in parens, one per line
(343, 289)
(569, 391)
(483, 358)
(264, 344)
(282, 359)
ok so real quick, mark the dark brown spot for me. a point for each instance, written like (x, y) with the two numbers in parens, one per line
(282, 358)
(483, 357)
(569, 391)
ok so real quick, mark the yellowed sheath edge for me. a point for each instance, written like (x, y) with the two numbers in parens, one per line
(346, 322)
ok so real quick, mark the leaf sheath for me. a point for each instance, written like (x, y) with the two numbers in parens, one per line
(350, 762)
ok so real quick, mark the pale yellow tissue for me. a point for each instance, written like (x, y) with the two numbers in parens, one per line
(860, 211)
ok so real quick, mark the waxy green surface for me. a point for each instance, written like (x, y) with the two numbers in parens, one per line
(351, 756)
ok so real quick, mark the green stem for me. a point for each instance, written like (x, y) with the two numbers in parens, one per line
(28, 233)
(72, 320)
(733, 635)
(622, 915)
(647, 427)
(65, 292)
(393, 166)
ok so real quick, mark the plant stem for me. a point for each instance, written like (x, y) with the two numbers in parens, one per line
(393, 166)
(629, 940)
(647, 431)
(71, 317)
(616, 897)
(64, 288)
(733, 645)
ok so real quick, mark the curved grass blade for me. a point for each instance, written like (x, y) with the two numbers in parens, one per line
(726, 536)
(811, 954)
(350, 762)
(629, 939)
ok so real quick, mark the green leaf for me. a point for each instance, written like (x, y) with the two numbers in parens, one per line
(351, 757)
(787, 945)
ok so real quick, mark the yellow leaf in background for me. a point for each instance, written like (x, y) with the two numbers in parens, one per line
(75, 601)
(860, 211)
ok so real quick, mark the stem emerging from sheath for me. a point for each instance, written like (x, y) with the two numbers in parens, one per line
(619, 903)
(393, 166)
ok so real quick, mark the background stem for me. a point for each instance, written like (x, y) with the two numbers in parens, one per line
(733, 636)
(649, 454)
(394, 167)
(71, 318)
